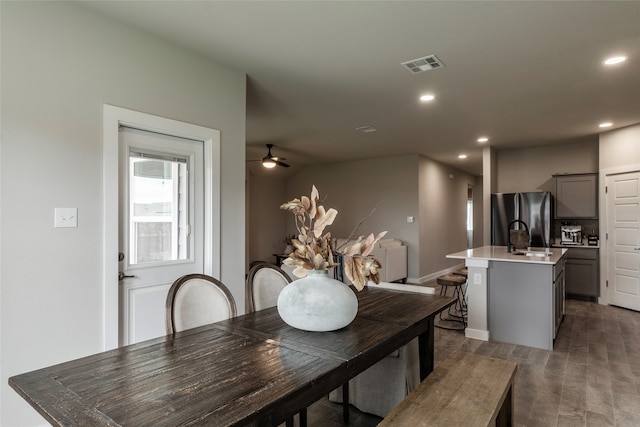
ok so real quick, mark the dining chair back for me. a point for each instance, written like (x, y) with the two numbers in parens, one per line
(384, 385)
(263, 286)
(195, 300)
(264, 283)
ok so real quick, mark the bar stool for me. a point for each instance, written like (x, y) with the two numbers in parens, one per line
(464, 272)
(457, 282)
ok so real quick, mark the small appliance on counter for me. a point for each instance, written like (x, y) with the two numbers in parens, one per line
(571, 235)
(592, 239)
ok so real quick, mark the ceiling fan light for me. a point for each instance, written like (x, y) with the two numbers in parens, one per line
(268, 163)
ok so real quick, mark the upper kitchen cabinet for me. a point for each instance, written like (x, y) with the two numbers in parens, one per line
(576, 196)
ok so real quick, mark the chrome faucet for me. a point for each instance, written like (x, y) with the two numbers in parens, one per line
(526, 227)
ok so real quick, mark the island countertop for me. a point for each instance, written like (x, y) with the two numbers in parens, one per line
(515, 297)
(499, 253)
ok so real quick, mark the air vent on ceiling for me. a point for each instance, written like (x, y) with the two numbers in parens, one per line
(427, 63)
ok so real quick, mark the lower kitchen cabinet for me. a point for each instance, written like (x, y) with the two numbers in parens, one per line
(582, 272)
(559, 295)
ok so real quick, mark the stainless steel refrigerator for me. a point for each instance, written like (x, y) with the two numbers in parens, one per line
(533, 208)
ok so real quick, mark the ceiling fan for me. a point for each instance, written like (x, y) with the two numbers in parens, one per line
(270, 161)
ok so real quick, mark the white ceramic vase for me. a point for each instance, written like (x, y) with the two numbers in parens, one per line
(317, 303)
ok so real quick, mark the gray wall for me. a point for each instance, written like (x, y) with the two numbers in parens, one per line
(399, 187)
(267, 224)
(443, 201)
(355, 188)
(530, 169)
(620, 147)
(60, 64)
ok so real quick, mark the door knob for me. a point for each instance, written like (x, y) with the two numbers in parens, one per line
(122, 276)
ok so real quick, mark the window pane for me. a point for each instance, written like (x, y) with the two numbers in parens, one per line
(158, 223)
(153, 241)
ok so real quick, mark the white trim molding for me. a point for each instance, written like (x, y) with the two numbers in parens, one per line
(603, 220)
(113, 117)
(433, 276)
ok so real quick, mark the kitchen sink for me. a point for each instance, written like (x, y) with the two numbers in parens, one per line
(533, 253)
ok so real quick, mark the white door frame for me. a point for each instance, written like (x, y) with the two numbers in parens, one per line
(113, 117)
(604, 225)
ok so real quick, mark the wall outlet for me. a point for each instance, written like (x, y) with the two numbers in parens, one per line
(65, 217)
(477, 279)
(410, 219)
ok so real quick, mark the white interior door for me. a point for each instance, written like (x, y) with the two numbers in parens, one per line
(161, 222)
(623, 239)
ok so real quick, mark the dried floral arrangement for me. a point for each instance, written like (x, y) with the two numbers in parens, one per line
(313, 250)
(288, 239)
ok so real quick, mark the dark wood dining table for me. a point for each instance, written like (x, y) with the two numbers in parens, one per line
(249, 370)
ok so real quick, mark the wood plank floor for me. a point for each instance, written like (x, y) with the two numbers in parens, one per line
(592, 378)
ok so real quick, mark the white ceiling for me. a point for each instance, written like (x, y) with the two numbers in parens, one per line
(523, 73)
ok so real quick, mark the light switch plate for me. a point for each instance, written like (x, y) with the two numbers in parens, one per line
(65, 217)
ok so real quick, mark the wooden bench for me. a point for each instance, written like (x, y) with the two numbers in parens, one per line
(465, 390)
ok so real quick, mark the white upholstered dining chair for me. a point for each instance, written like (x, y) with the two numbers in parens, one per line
(195, 300)
(383, 386)
(263, 286)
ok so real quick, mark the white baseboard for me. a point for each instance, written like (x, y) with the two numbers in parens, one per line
(476, 334)
(434, 276)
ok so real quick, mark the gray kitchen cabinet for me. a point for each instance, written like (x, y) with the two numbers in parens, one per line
(576, 196)
(559, 294)
(582, 272)
(526, 302)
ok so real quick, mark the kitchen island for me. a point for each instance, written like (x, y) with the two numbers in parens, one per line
(515, 297)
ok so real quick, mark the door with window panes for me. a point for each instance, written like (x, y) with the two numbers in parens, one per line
(161, 222)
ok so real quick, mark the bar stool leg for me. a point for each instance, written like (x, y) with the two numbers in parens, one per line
(459, 306)
(443, 292)
(458, 311)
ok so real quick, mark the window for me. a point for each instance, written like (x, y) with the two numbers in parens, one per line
(158, 206)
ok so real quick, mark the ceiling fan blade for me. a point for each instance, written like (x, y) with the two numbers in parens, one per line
(279, 163)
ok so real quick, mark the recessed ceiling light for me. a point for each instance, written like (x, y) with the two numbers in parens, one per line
(615, 60)
(427, 98)
(462, 156)
(483, 139)
(366, 129)
(605, 125)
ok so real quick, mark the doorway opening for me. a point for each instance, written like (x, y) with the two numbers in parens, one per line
(114, 118)
(161, 225)
(622, 251)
